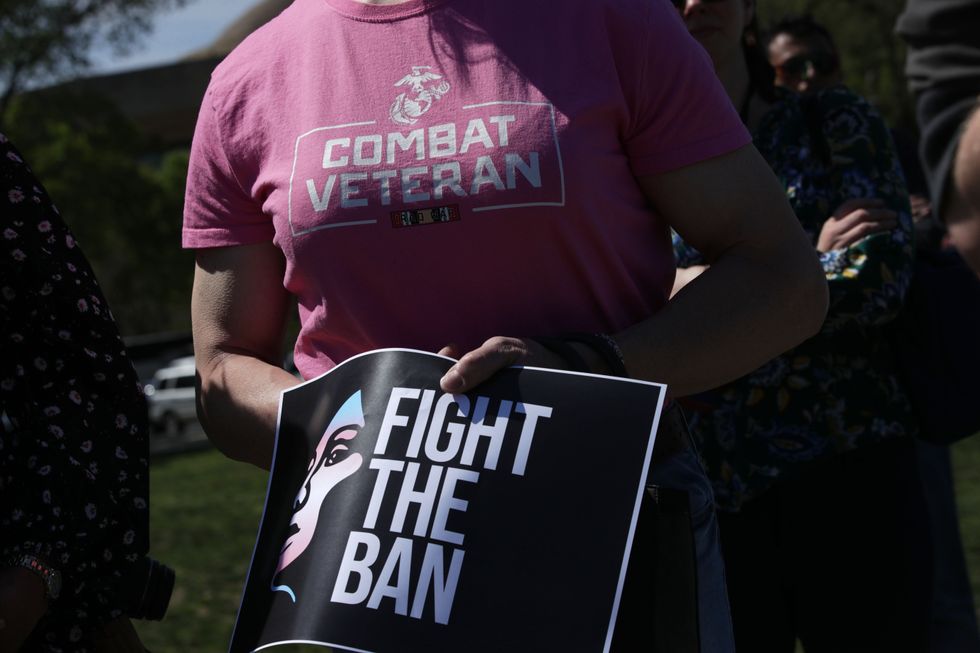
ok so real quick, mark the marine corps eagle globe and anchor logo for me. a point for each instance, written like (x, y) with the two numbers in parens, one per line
(407, 110)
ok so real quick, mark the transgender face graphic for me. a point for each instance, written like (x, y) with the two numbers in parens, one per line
(332, 462)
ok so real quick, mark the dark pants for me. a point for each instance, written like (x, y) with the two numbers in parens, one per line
(840, 557)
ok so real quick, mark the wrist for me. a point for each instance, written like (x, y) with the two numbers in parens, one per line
(45, 574)
(823, 245)
(596, 353)
(595, 363)
(604, 350)
(575, 359)
(22, 604)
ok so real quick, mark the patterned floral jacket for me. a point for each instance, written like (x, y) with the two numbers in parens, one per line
(74, 475)
(838, 390)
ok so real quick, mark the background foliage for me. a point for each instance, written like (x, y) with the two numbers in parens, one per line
(873, 58)
(42, 40)
(120, 195)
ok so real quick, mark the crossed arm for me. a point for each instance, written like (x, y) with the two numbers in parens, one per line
(962, 213)
(763, 293)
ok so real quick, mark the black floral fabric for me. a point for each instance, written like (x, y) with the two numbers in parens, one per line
(838, 390)
(73, 449)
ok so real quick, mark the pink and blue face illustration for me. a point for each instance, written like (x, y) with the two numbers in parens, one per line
(332, 462)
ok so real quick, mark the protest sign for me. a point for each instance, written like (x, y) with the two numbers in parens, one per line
(402, 518)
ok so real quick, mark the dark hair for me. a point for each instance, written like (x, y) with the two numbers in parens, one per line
(804, 28)
(761, 74)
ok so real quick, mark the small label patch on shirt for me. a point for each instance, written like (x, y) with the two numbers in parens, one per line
(430, 215)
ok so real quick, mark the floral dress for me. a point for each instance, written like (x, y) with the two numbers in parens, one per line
(73, 447)
(838, 390)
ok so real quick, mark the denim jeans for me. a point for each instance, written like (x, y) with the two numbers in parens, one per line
(683, 471)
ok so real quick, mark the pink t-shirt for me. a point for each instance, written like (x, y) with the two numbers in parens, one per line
(447, 171)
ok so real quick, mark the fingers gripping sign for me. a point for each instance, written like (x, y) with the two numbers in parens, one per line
(475, 367)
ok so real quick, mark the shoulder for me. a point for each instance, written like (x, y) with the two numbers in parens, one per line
(645, 20)
(625, 10)
(267, 53)
(15, 174)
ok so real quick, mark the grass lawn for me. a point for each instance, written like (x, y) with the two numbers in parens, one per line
(205, 515)
(966, 471)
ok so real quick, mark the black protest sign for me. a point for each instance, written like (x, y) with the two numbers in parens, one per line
(402, 518)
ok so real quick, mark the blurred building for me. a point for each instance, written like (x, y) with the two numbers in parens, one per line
(164, 100)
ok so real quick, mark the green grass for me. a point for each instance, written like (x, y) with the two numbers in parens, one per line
(205, 514)
(966, 471)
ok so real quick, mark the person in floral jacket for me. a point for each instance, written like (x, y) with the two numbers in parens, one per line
(810, 456)
(838, 390)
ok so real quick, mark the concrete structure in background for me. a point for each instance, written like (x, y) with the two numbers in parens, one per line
(164, 100)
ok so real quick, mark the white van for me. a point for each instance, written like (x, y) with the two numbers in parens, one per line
(170, 396)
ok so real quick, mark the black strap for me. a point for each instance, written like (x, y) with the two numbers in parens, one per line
(606, 348)
(658, 610)
(565, 351)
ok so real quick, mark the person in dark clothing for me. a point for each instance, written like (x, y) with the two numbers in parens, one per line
(74, 483)
(811, 455)
(943, 70)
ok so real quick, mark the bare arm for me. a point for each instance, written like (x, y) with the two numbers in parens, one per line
(238, 311)
(962, 202)
(22, 604)
(763, 293)
(852, 221)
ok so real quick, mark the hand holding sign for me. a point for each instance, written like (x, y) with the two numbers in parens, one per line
(475, 367)
(403, 517)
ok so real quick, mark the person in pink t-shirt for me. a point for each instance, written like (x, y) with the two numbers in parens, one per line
(457, 176)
